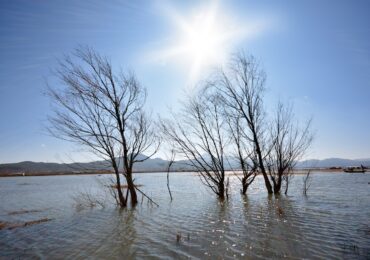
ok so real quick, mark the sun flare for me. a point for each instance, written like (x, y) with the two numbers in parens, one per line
(202, 39)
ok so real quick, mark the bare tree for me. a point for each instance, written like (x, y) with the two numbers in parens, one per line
(289, 143)
(103, 111)
(197, 133)
(307, 180)
(271, 148)
(242, 88)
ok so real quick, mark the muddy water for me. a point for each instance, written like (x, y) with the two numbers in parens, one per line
(332, 222)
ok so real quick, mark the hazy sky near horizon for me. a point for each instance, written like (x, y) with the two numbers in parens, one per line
(316, 55)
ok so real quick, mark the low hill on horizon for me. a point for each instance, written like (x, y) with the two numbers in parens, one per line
(154, 164)
(333, 162)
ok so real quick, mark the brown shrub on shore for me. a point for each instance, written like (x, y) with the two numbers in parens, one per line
(2, 225)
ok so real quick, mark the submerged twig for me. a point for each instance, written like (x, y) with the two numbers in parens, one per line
(146, 196)
(171, 161)
(9, 226)
(307, 182)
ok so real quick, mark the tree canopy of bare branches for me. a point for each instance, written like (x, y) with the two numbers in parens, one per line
(269, 147)
(197, 133)
(103, 111)
(289, 143)
(241, 88)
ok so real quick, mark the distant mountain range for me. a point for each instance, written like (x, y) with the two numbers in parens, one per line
(150, 165)
(28, 167)
(333, 162)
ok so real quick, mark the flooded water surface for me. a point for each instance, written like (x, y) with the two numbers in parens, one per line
(333, 221)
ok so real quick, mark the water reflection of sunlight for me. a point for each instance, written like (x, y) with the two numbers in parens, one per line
(252, 226)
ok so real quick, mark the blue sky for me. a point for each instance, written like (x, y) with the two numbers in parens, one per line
(316, 54)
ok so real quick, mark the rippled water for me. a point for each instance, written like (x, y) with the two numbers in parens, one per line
(332, 222)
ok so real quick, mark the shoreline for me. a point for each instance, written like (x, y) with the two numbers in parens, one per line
(30, 174)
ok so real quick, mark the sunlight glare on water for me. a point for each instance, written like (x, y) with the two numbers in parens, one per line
(332, 222)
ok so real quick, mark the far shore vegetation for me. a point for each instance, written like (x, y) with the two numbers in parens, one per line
(93, 172)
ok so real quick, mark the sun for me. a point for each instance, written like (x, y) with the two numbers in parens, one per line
(204, 38)
(201, 39)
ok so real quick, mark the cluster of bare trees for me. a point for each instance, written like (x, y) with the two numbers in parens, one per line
(103, 111)
(226, 115)
(198, 134)
(223, 120)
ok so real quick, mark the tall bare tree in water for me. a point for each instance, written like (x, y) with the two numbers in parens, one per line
(272, 148)
(242, 87)
(197, 134)
(103, 111)
(289, 143)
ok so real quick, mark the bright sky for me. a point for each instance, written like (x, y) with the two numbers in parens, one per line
(316, 54)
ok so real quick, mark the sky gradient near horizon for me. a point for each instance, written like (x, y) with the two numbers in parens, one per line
(316, 54)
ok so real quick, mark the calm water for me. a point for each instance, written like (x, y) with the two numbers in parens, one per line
(332, 222)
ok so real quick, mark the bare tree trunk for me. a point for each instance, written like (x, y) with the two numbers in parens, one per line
(307, 180)
(172, 159)
(121, 199)
(267, 182)
(263, 170)
(168, 185)
(131, 188)
(245, 184)
(221, 190)
(261, 163)
(277, 185)
(286, 186)
(245, 188)
(227, 188)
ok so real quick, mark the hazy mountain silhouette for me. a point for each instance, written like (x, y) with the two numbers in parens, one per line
(333, 162)
(155, 164)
